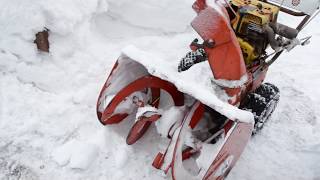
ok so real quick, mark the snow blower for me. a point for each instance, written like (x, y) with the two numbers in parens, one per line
(217, 87)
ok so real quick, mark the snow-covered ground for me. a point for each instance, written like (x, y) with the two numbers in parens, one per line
(48, 125)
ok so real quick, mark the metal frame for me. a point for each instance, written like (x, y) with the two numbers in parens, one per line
(299, 28)
(287, 10)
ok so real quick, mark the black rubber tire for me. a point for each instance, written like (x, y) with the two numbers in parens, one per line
(267, 90)
(262, 102)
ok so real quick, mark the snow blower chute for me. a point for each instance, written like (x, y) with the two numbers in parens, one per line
(218, 86)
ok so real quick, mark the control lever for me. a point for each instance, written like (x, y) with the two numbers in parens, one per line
(294, 42)
(206, 44)
(305, 41)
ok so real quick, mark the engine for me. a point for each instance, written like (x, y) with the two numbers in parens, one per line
(250, 24)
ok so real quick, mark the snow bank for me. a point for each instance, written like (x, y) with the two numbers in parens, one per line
(166, 16)
(25, 18)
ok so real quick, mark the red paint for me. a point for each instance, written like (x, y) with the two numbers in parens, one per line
(138, 85)
(199, 5)
(140, 127)
(105, 85)
(225, 59)
(197, 116)
(234, 146)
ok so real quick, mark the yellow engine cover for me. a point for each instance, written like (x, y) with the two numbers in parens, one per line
(248, 51)
(256, 14)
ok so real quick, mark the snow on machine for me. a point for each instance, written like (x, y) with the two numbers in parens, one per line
(217, 89)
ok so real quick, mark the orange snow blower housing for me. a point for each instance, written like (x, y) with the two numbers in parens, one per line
(239, 43)
(224, 56)
(221, 111)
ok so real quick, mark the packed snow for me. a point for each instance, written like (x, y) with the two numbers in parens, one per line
(195, 82)
(48, 125)
(168, 119)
